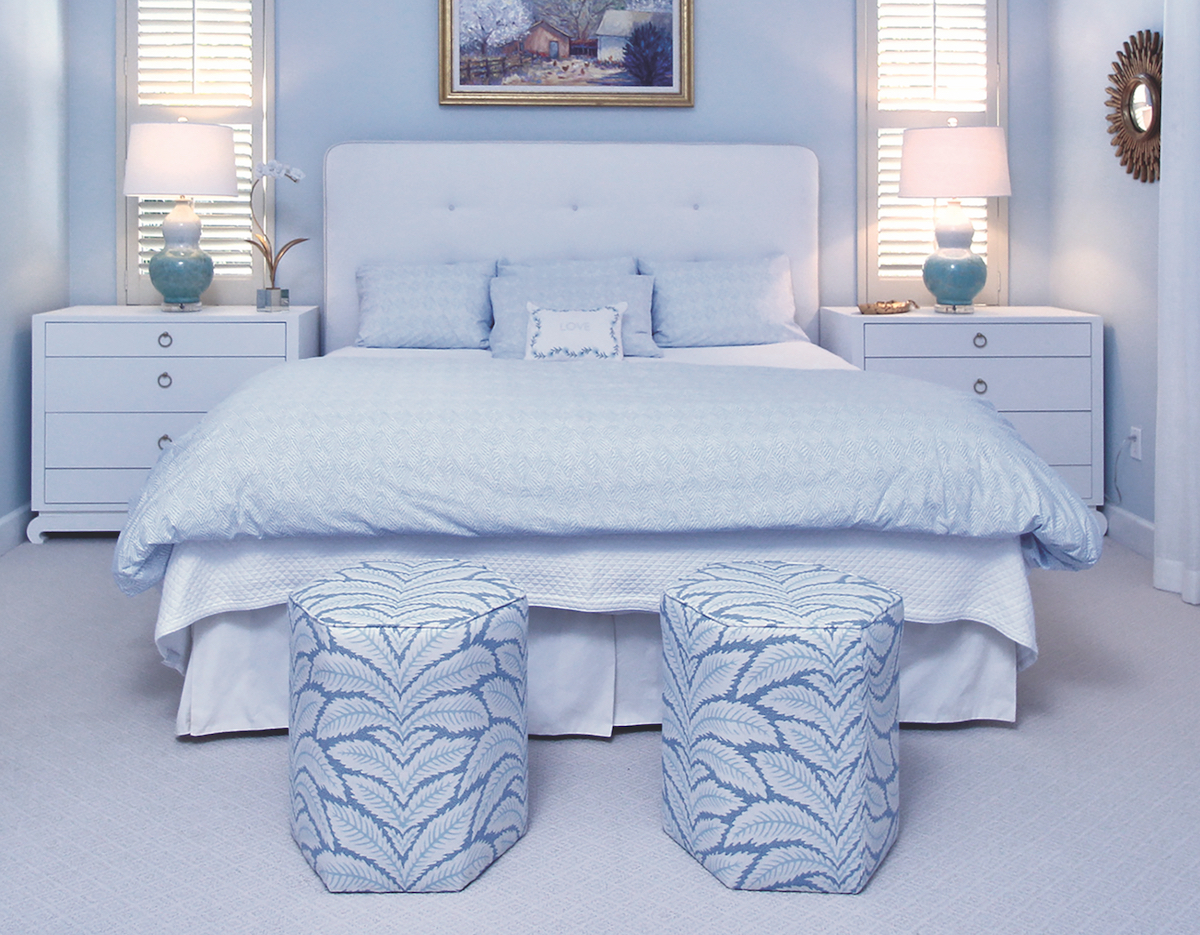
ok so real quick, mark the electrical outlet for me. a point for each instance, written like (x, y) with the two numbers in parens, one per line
(1135, 443)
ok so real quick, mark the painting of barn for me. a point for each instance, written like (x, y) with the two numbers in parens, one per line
(608, 52)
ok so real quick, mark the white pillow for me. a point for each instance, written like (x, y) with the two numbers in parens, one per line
(574, 334)
(704, 303)
(511, 296)
(425, 305)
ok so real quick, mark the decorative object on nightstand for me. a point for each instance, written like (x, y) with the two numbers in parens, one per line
(180, 160)
(954, 162)
(114, 386)
(271, 299)
(1135, 104)
(893, 307)
(1042, 368)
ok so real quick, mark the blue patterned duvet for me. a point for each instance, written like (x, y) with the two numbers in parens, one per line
(350, 446)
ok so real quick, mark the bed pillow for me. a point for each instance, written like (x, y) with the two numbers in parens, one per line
(574, 334)
(617, 266)
(704, 303)
(424, 305)
(511, 296)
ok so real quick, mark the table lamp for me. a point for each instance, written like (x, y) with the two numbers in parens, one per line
(954, 162)
(181, 161)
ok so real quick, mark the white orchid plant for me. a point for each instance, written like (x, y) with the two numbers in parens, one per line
(270, 170)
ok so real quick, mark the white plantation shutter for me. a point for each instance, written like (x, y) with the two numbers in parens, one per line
(206, 61)
(923, 62)
(195, 52)
(932, 55)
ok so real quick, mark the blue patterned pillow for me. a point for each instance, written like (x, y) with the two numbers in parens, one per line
(425, 305)
(511, 296)
(705, 303)
(575, 334)
(617, 266)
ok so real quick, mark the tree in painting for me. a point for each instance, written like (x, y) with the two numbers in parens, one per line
(648, 56)
(577, 18)
(486, 24)
(580, 19)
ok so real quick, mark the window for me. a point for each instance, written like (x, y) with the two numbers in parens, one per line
(921, 63)
(207, 61)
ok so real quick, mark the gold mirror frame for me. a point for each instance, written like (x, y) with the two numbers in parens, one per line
(1138, 65)
(452, 90)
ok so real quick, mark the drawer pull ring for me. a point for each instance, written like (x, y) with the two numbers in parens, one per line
(980, 339)
(980, 387)
(164, 380)
(165, 339)
(163, 442)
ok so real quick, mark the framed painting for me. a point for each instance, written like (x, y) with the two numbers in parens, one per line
(616, 53)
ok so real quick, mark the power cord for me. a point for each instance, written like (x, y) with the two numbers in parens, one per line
(1117, 467)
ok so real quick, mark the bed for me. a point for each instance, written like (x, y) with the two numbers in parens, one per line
(593, 566)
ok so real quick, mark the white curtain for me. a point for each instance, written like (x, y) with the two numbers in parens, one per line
(1177, 453)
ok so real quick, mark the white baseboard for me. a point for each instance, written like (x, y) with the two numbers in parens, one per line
(12, 527)
(1130, 530)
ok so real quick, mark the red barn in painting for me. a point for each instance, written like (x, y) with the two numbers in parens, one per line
(546, 41)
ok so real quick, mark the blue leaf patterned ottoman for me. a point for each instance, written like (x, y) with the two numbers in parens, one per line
(780, 734)
(407, 739)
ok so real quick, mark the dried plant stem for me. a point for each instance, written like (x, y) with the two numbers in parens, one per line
(262, 242)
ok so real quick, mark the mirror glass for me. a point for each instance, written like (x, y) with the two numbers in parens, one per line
(1141, 107)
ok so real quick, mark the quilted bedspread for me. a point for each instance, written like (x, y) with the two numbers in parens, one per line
(361, 447)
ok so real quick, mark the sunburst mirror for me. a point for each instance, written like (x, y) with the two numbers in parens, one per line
(1135, 104)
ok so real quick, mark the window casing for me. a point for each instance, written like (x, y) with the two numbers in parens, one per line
(209, 61)
(921, 63)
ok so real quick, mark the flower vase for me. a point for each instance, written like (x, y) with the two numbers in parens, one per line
(272, 300)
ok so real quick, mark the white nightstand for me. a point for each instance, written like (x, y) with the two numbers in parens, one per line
(1043, 368)
(113, 385)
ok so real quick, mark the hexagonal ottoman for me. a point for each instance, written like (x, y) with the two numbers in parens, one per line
(780, 734)
(407, 743)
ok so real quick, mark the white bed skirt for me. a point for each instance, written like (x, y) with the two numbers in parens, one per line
(588, 673)
(594, 663)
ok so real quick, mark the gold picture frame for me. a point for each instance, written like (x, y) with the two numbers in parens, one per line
(566, 53)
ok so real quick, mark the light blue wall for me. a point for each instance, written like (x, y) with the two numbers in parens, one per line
(92, 112)
(1030, 151)
(766, 71)
(1083, 234)
(33, 244)
(1105, 241)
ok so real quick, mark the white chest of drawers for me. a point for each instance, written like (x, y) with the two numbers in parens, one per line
(114, 385)
(1042, 367)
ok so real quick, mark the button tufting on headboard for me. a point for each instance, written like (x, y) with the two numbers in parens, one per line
(391, 202)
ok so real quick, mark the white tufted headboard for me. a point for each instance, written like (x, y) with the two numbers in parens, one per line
(440, 202)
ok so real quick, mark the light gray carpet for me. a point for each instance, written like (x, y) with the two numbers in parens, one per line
(1083, 818)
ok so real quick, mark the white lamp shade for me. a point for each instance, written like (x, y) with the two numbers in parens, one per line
(954, 162)
(170, 159)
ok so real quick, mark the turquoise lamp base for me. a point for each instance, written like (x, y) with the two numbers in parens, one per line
(181, 274)
(954, 276)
